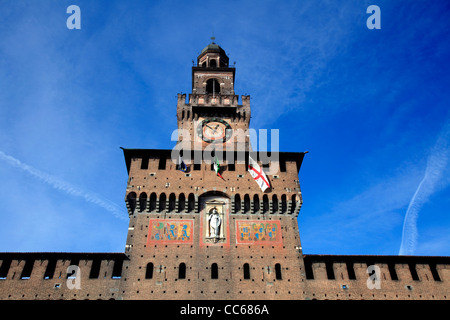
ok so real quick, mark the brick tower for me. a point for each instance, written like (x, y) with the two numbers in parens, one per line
(201, 227)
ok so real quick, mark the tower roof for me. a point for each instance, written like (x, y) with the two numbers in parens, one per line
(213, 48)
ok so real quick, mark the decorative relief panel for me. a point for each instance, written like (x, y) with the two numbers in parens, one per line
(258, 232)
(170, 231)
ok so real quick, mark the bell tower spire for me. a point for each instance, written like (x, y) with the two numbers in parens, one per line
(213, 114)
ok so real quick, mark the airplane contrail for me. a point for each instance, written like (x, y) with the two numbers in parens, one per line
(65, 187)
(436, 164)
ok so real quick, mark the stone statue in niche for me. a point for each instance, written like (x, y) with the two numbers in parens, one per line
(214, 220)
(214, 223)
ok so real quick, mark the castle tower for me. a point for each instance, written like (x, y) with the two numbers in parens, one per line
(201, 231)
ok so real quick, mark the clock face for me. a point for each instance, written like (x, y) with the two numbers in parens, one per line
(214, 130)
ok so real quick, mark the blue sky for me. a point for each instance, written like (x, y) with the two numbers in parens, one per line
(370, 106)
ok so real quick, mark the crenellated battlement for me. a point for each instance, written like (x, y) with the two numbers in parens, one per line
(356, 277)
(51, 275)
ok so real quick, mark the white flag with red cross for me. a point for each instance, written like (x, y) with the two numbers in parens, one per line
(258, 174)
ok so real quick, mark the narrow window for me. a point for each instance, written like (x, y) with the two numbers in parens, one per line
(182, 271)
(412, 269)
(283, 204)
(274, 203)
(246, 271)
(27, 269)
(162, 202)
(278, 272)
(50, 270)
(350, 271)
(142, 201)
(131, 198)
(117, 269)
(181, 202)
(162, 163)
(237, 203)
(293, 203)
(309, 270)
(330, 271)
(434, 272)
(191, 202)
(282, 165)
(255, 203)
(246, 203)
(212, 86)
(171, 202)
(392, 271)
(6, 264)
(144, 163)
(265, 204)
(95, 269)
(214, 271)
(153, 201)
(149, 271)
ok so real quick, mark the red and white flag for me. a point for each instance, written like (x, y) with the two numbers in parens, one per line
(258, 174)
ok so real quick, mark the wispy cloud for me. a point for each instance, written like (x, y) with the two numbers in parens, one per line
(437, 163)
(360, 223)
(65, 187)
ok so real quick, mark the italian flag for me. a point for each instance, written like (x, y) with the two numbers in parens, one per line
(217, 167)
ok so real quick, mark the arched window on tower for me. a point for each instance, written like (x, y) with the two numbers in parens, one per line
(214, 271)
(274, 203)
(162, 202)
(293, 203)
(265, 203)
(172, 202)
(191, 202)
(142, 201)
(149, 271)
(182, 271)
(212, 63)
(212, 86)
(246, 271)
(153, 201)
(181, 202)
(255, 203)
(131, 198)
(246, 203)
(283, 204)
(278, 272)
(237, 203)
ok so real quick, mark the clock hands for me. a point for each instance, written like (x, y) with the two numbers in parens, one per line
(213, 129)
